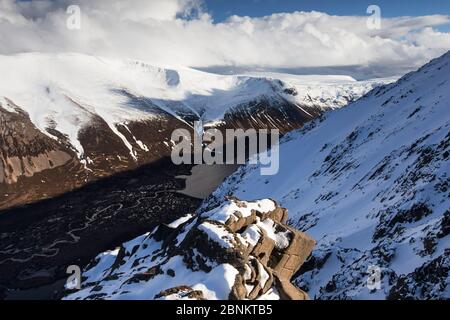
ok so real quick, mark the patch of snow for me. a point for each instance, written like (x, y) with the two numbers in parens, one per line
(280, 238)
(217, 233)
(175, 224)
(6, 105)
(228, 209)
(251, 235)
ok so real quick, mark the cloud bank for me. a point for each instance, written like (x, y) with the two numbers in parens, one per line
(181, 32)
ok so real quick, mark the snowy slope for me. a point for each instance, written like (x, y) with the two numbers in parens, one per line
(65, 92)
(369, 182)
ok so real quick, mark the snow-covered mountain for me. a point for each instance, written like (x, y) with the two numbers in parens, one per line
(369, 182)
(65, 92)
(87, 117)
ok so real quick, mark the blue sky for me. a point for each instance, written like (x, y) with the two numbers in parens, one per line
(221, 9)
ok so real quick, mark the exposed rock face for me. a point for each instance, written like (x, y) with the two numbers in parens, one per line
(32, 163)
(239, 250)
(275, 113)
(24, 149)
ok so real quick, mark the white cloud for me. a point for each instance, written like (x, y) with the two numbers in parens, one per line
(177, 32)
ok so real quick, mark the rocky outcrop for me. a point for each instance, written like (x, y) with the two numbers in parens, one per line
(238, 250)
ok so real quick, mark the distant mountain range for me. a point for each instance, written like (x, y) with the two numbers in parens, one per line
(68, 119)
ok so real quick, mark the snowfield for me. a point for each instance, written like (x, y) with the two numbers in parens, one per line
(370, 182)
